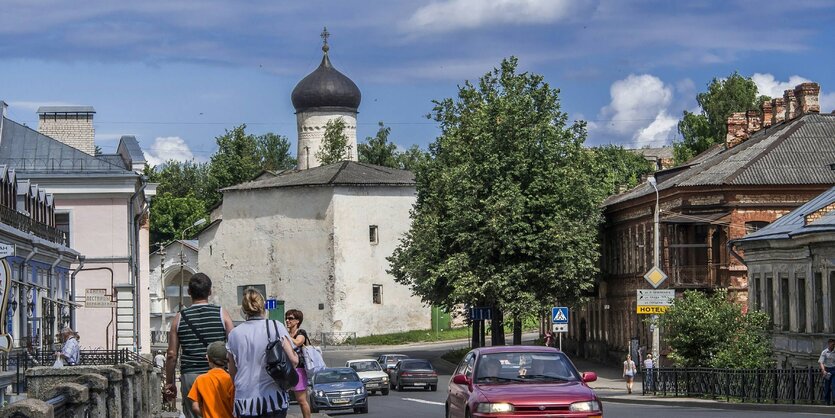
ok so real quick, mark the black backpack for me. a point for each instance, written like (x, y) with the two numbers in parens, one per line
(278, 366)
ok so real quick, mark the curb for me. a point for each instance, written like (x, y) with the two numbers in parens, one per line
(706, 403)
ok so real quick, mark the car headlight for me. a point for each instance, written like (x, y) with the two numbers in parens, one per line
(320, 394)
(359, 390)
(587, 406)
(385, 378)
(494, 408)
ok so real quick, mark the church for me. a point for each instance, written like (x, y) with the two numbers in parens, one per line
(316, 238)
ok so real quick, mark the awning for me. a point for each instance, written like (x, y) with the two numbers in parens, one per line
(694, 218)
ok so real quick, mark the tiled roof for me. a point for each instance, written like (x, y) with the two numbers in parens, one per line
(792, 153)
(345, 173)
(793, 223)
(28, 152)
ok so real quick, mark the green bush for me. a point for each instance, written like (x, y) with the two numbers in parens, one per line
(455, 356)
(414, 337)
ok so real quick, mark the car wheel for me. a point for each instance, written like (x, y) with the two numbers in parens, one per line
(433, 388)
(385, 392)
(364, 409)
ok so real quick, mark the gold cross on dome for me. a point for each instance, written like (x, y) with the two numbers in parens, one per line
(325, 35)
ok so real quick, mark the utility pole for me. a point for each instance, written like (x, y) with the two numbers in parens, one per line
(182, 255)
(164, 309)
(656, 260)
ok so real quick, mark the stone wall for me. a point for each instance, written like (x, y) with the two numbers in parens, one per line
(75, 130)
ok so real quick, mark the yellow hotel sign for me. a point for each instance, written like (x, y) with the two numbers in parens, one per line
(652, 309)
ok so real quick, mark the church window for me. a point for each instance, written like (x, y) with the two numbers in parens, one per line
(373, 237)
(377, 294)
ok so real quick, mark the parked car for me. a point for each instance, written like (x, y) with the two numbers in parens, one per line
(338, 388)
(417, 373)
(530, 381)
(388, 361)
(371, 374)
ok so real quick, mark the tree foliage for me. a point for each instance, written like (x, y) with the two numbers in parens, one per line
(723, 97)
(378, 150)
(274, 152)
(507, 211)
(335, 146)
(616, 166)
(711, 331)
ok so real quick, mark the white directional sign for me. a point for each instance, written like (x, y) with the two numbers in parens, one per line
(7, 250)
(655, 301)
(97, 298)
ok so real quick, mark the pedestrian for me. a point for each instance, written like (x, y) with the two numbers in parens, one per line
(629, 372)
(648, 366)
(70, 350)
(293, 318)
(827, 364)
(159, 360)
(257, 395)
(212, 393)
(549, 338)
(192, 330)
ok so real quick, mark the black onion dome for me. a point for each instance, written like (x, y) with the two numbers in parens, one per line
(326, 87)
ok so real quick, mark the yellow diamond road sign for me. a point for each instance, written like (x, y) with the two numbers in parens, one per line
(655, 277)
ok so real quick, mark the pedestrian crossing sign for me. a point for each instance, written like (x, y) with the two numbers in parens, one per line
(559, 315)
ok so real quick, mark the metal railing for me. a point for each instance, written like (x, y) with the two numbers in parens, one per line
(799, 385)
(24, 223)
(159, 337)
(62, 409)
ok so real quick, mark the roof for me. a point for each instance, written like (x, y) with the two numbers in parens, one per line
(326, 87)
(130, 145)
(797, 152)
(794, 223)
(28, 151)
(345, 173)
(66, 109)
(663, 152)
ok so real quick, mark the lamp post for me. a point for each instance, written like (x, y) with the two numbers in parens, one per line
(656, 333)
(199, 222)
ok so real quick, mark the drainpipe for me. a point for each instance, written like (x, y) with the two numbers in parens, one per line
(25, 279)
(52, 268)
(72, 288)
(133, 250)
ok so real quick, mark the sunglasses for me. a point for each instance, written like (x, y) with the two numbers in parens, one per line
(289, 318)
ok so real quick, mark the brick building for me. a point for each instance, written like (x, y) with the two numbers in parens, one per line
(772, 161)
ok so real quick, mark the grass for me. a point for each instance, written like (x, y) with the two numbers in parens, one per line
(407, 337)
(455, 356)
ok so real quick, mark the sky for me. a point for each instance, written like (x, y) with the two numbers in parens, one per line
(179, 73)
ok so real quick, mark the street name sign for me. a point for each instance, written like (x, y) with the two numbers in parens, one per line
(7, 250)
(655, 276)
(656, 297)
(97, 298)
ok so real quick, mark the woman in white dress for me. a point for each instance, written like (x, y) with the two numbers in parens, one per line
(629, 372)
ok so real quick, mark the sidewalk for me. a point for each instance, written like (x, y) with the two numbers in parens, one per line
(611, 387)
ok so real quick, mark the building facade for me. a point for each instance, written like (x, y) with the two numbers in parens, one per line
(767, 167)
(171, 268)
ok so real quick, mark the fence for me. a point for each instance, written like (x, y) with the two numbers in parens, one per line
(799, 385)
(337, 340)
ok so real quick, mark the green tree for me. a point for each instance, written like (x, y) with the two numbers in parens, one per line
(711, 331)
(723, 97)
(506, 212)
(274, 152)
(412, 158)
(236, 160)
(335, 147)
(170, 215)
(378, 150)
(617, 166)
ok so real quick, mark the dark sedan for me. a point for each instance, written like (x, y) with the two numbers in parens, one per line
(338, 388)
(519, 381)
(417, 373)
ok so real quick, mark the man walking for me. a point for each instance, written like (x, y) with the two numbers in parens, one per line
(192, 330)
(827, 363)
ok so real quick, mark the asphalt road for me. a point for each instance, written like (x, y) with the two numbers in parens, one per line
(419, 403)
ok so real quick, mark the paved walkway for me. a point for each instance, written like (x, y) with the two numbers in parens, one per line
(611, 387)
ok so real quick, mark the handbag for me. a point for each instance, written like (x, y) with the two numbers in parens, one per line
(277, 365)
(313, 361)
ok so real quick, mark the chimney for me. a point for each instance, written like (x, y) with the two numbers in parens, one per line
(72, 125)
(778, 111)
(737, 129)
(767, 116)
(790, 102)
(808, 97)
(753, 121)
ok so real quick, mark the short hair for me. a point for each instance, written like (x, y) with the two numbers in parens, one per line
(199, 286)
(253, 302)
(297, 313)
(831, 340)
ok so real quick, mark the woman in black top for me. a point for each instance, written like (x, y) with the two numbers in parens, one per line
(293, 318)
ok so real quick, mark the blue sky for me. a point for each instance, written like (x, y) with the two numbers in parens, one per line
(178, 73)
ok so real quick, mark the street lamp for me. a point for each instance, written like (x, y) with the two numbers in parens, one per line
(199, 222)
(656, 334)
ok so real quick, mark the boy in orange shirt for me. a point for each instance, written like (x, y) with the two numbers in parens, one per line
(213, 393)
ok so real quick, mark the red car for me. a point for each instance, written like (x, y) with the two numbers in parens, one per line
(520, 381)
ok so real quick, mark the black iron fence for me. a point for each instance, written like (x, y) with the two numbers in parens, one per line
(799, 385)
(25, 223)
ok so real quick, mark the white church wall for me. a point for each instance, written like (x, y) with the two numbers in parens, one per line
(360, 264)
(280, 238)
(311, 129)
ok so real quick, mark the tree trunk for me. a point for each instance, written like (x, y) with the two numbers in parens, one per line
(517, 331)
(483, 327)
(497, 327)
(476, 337)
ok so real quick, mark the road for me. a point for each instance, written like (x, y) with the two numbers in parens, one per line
(419, 403)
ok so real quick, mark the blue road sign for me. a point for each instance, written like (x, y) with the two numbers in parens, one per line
(559, 315)
(481, 314)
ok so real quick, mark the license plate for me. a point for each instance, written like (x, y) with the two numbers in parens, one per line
(341, 400)
(420, 384)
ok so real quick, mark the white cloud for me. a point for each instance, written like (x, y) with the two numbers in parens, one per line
(827, 102)
(451, 15)
(639, 110)
(769, 86)
(168, 148)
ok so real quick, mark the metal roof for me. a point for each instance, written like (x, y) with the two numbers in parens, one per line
(791, 153)
(345, 173)
(793, 223)
(131, 147)
(66, 109)
(28, 152)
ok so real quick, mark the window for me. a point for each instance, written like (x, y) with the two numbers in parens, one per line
(754, 226)
(62, 223)
(801, 304)
(818, 323)
(785, 310)
(755, 292)
(769, 296)
(259, 287)
(377, 294)
(373, 237)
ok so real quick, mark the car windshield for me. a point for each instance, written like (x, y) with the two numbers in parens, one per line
(365, 366)
(416, 365)
(394, 359)
(525, 367)
(336, 375)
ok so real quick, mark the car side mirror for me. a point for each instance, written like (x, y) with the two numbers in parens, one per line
(589, 377)
(460, 379)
